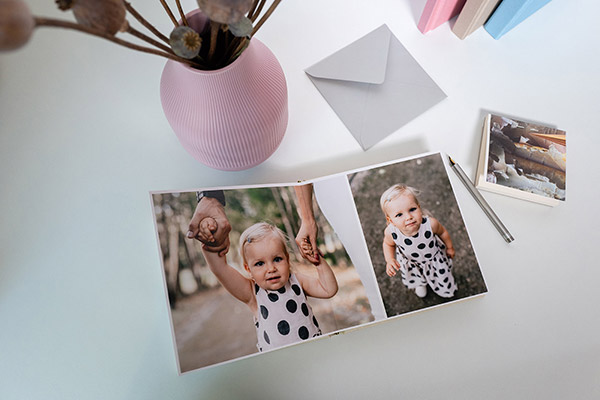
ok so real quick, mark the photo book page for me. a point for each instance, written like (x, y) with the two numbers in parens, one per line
(251, 269)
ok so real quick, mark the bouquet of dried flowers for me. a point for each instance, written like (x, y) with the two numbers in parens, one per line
(230, 26)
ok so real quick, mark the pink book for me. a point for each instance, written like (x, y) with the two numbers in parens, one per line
(436, 12)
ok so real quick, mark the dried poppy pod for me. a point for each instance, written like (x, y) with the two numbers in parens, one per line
(242, 28)
(185, 42)
(16, 24)
(225, 11)
(105, 15)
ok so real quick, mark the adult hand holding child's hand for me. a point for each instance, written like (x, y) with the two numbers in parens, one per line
(306, 239)
(210, 226)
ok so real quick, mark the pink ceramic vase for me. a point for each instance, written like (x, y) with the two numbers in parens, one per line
(232, 118)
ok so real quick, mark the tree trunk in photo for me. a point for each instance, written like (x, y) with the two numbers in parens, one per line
(189, 248)
(172, 262)
(285, 196)
(286, 221)
(161, 224)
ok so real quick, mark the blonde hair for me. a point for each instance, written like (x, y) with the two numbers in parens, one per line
(396, 191)
(259, 231)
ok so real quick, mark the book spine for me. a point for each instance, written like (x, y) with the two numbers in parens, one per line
(500, 21)
(473, 15)
(427, 15)
(437, 12)
(481, 172)
(510, 13)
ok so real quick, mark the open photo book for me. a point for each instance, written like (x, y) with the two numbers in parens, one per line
(250, 269)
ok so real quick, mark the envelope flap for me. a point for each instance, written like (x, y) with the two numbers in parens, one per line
(364, 60)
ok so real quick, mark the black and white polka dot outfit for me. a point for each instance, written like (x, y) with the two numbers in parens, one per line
(284, 316)
(423, 260)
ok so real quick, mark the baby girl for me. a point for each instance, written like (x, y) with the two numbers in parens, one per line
(275, 295)
(418, 246)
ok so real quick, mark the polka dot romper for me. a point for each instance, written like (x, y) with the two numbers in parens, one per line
(423, 260)
(284, 316)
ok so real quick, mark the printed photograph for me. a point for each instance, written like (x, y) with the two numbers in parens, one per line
(251, 270)
(419, 246)
(528, 157)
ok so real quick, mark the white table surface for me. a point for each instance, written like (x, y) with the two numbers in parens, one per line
(83, 140)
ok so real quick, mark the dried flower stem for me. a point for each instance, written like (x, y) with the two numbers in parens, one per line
(214, 31)
(39, 21)
(264, 17)
(258, 10)
(144, 22)
(229, 41)
(147, 39)
(241, 46)
(231, 47)
(252, 8)
(183, 19)
(169, 12)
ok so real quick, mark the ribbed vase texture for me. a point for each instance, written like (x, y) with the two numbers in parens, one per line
(232, 118)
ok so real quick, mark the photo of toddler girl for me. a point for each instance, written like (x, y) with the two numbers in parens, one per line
(415, 244)
(275, 295)
(421, 253)
(251, 269)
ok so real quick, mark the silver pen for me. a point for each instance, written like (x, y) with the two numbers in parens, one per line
(481, 201)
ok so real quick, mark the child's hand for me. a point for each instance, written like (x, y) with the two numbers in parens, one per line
(450, 252)
(211, 207)
(392, 267)
(207, 226)
(306, 248)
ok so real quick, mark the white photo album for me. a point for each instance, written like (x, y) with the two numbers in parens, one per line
(390, 240)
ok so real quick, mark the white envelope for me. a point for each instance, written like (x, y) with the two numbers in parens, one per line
(375, 86)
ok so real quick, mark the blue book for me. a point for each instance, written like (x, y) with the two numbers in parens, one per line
(511, 13)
